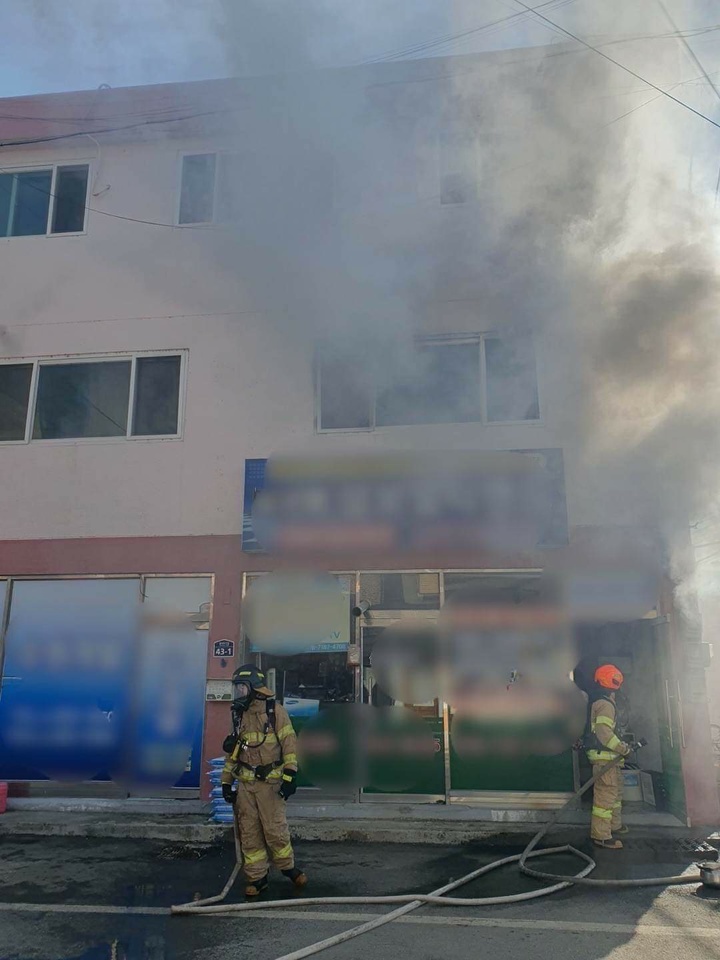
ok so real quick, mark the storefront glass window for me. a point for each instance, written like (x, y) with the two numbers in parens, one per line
(492, 587)
(103, 680)
(170, 686)
(67, 679)
(401, 591)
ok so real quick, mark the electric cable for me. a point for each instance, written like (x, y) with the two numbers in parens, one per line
(696, 60)
(449, 38)
(693, 56)
(97, 131)
(103, 213)
(617, 63)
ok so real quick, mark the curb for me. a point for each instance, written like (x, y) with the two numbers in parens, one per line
(190, 833)
(199, 831)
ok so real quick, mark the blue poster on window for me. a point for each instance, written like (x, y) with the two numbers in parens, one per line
(105, 681)
(67, 679)
(254, 483)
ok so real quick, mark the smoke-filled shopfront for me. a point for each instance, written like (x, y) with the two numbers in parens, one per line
(483, 657)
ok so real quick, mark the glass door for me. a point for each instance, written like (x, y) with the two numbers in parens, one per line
(672, 733)
(409, 720)
(317, 686)
(506, 723)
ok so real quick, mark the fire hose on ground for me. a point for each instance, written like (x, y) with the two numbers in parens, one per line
(411, 901)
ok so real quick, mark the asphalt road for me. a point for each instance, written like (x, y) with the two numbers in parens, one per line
(125, 888)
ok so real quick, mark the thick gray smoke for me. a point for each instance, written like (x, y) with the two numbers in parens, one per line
(595, 229)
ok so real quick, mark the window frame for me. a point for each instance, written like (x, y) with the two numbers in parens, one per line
(133, 357)
(435, 340)
(201, 224)
(53, 167)
(539, 420)
(371, 427)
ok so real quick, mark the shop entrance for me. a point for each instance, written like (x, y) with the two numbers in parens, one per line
(308, 685)
(649, 707)
(380, 689)
(397, 605)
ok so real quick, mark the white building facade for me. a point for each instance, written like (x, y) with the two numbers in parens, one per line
(196, 276)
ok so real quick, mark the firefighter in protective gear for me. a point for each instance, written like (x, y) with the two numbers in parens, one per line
(261, 756)
(604, 745)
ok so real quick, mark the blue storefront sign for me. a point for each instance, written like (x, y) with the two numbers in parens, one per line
(485, 500)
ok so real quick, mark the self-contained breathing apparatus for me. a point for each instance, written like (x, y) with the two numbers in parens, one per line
(590, 740)
(248, 685)
(607, 677)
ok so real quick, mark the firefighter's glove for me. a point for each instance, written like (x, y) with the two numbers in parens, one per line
(288, 785)
(229, 795)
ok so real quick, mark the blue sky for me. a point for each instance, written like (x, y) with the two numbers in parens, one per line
(51, 45)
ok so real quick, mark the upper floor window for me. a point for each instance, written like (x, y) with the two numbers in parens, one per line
(459, 163)
(207, 192)
(466, 380)
(128, 396)
(43, 201)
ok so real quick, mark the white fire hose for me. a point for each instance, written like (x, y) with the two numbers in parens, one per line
(213, 905)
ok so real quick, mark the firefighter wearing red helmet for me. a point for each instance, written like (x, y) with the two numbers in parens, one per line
(603, 745)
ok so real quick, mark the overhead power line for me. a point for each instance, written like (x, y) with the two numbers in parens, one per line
(605, 56)
(429, 45)
(451, 37)
(87, 207)
(696, 60)
(140, 112)
(96, 132)
(693, 56)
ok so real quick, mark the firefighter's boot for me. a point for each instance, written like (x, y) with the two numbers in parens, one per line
(255, 887)
(296, 876)
(609, 844)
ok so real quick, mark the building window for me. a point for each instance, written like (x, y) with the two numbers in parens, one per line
(82, 400)
(466, 380)
(208, 189)
(15, 380)
(346, 394)
(42, 202)
(510, 380)
(157, 392)
(441, 385)
(459, 163)
(132, 396)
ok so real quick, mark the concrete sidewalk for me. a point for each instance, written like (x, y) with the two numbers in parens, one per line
(188, 822)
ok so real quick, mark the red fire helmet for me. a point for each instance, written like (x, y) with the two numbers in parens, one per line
(609, 676)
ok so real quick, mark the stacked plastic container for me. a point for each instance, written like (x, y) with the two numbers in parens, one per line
(222, 812)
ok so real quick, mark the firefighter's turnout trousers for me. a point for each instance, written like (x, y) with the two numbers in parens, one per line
(263, 827)
(607, 790)
(607, 802)
(260, 809)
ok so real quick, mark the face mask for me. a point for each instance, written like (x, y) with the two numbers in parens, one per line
(242, 693)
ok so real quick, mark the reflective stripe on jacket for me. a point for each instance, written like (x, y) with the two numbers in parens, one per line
(277, 745)
(602, 725)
